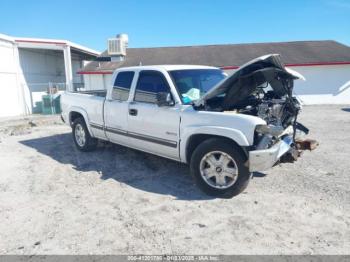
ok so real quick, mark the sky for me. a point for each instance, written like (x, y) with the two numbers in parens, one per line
(154, 23)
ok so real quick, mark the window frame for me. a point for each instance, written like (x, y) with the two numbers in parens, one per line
(130, 88)
(155, 72)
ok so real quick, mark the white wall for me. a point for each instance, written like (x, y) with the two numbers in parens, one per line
(323, 84)
(97, 81)
(10, 98)
(107, 80)
(76, 67)
(42, 67)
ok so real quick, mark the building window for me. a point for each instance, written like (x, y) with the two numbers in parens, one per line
(122, 84)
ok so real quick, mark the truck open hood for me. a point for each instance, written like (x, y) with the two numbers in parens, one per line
(267, 69)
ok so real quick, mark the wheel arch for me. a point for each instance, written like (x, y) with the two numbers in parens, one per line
(237, 139)
(75, 113)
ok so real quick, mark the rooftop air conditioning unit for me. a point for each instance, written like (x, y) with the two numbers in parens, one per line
(117, 46)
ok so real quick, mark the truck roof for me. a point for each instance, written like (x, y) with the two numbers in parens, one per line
(166, 67)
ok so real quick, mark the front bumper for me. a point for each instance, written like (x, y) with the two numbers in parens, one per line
(260, 160)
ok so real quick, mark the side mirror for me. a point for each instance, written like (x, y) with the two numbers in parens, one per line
(164, 99)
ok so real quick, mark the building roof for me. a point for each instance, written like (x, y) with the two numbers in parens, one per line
(230, 56)
(30, 42)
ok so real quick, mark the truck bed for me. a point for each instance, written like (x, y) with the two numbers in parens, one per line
(89, 103)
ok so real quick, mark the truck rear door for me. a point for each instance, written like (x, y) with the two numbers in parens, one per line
(117, 107)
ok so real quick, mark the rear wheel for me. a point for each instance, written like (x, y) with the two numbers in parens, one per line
(81, 136)
(218, 168)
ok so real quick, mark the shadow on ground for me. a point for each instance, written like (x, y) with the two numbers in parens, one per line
(346, 109)
(137, 169)
(134, 168)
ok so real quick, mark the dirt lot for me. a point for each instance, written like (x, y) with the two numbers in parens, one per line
(56, 200)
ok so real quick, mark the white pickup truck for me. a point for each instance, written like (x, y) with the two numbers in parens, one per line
(225, 127)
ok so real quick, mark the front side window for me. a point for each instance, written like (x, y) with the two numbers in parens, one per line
(148, 85)
(122, 84)
(192, 84)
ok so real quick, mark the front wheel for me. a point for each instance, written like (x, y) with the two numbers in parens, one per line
(218, 168)
(81, 136)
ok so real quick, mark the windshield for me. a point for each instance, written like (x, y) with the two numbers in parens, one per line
(192, 84)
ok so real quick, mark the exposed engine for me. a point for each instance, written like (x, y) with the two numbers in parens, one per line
(275, 111)
(271, 111)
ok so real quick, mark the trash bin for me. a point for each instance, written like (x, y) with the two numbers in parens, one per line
(57, 103)
(51, 104)
(37, 109)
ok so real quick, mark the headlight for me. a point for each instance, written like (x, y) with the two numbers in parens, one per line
(269, 130)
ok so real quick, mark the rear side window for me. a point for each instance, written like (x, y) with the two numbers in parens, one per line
(148, 85)
(122, 84)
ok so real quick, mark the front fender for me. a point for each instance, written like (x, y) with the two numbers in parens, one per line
(231, 133)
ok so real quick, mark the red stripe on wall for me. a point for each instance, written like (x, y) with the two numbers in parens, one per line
(305, 64)
(321, 64)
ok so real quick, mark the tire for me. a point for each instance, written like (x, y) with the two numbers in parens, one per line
(79, 130)
(218, 168)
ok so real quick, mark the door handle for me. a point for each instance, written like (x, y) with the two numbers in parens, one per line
(133, 112)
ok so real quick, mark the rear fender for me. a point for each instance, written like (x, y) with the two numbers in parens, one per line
(83, 113)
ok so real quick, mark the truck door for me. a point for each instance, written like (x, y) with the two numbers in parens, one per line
(153, 128)
(116, 108)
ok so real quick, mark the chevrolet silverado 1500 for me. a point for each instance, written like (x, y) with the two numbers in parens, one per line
(224, 127)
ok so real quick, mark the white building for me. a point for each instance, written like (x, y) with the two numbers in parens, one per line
(29, 66)
(325, 64)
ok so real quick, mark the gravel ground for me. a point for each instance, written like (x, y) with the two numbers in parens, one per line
(56, 200)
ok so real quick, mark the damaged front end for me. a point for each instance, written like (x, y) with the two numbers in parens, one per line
(284, 147)
(264, 88)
